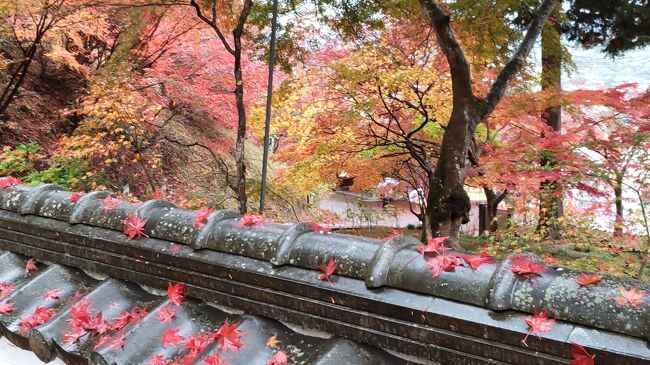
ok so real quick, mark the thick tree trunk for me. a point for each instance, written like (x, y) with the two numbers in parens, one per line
(493, 199)
(551, 205)
(618, 199)
(240, 144)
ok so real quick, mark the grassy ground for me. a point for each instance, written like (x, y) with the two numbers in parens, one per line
(601, 256)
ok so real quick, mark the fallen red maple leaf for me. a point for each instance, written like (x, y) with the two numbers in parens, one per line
(320, 229)
(434, 245)
(632, 297)
(229, 337)
(585, 280)
(197, 343)
(538, 323)
(280, 358)
(156, 360)
(171, 337)
(37, 318)
(5, 289)
(30, 266)
(166, 314)
(134, 226)
(110, 203)
(6, 308)
(328, 270)
(201, 216)
(580, 356)
(442, 263)
(475, 261)
(97, 324)
(80, 313)
(118, 341)
(175, 293)
(74, 197)
(103, 340)
(251, 220)
(122, 320)
(73, 335)
(214, 360)
(8, 181)
(394, 233)
(52, 294)
(523, 265)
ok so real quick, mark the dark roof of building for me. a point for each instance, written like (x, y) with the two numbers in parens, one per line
(142, 336)
(380, 295)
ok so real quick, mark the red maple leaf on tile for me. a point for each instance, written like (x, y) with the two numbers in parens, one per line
(394, 233)
(138, 313)
(37, 318)
(523, 265)
(195, 344)
(433, 245)
(156, 360)
(475, 261)
(74, 197)
(538, 323)
(52, 294)
(5, 289)
(214, 360)
(171, 337)
(134, 226)
(175, 293)
(252, 219)
(328, 269)
(586, 280)
(110, 203)
(8, 181)
(73, 335)
(632, 297)
(118, 341)
(80, 313)
(97, 324)
(580, 356)
(320, 229)
(122, 320)
(166, 314)
(442, 263)
(30, 266)
(229, 337)
(279, 358)
(6, 308)
(103, 340)
(202, 216)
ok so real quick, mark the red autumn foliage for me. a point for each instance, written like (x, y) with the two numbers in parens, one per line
(80, 313)
(195, 344)
(8, 181)
(52, 294)
(103, 340)
(442, 263)
(394, 233)
(118, 342)
(475, 261)
(320, 229)
(73, 335)
(632, 297)
(215, 359)
(166, 314)
(229, 337)
(171, 337)
(122, 320)
(6, 308)
(5, 289)
(252, 220)
(280, 358)
(175, 293)
(134, 226)
(30, 266)
(74, 197)
(586, 280)
(37, 318)
(538, 323)
(434, 245)
(201, 216)
(580, 356)
(523, 265)
(109, 203)
(328, 270)
(156, 360)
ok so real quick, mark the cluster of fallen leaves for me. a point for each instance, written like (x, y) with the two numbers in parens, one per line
(438, 260)
(202, 216)
(252, 220)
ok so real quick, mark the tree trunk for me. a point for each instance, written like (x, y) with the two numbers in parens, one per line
(551, 206)
(493, 199)
(618, 199)
(240, 144)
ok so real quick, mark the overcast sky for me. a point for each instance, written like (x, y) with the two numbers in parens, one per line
(595, 69)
